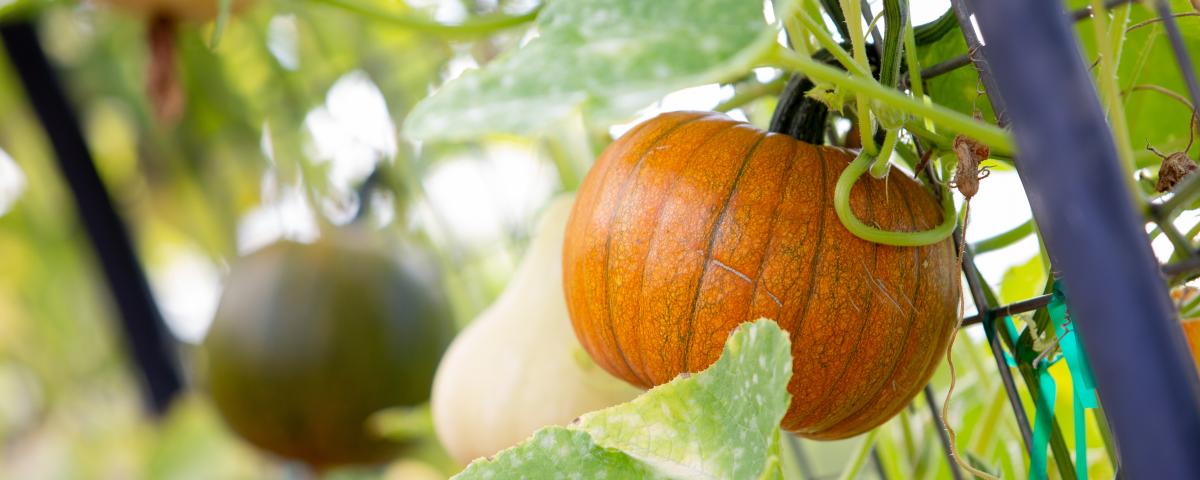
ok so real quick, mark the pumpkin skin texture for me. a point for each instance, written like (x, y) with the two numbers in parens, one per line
(692, 223)
(310, 340)
(1191, 330)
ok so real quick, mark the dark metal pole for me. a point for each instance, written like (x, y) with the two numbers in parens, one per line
(1011, 309)
(139, 315)
(963, 13)
(983, 305)
(954, 63)
(1069, 167)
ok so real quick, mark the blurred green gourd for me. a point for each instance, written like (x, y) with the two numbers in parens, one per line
(310, 340)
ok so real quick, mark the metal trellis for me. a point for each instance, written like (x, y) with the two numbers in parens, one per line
(142, 324)
(1094, 235)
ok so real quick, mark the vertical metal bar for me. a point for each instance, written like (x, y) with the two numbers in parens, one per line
(943, 437)
(974, 44)
(142, 324)
(1069, 167)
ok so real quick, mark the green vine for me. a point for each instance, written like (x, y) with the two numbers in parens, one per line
(1109, 44)
(879, 169)
(890, 106)
(829, 44)
(866, 127)
(841, 204)
(916, 83)
(859, 458)
(994, 137)
(896, 19)
(1016, 234)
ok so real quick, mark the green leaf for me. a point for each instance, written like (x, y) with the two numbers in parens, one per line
(720, 423)
(831, 95)
(606, 58)
(1024, 281)
(1147, 59)
(1153, 118)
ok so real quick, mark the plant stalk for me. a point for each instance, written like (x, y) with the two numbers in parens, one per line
(994, 137)
(866, 128)
(1110, 94)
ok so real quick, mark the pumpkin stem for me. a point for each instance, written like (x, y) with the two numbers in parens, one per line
(801, 116)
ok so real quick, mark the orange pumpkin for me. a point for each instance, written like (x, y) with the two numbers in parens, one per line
(693, 223)
(1191, 329)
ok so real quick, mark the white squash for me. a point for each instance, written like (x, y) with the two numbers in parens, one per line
(518, 367)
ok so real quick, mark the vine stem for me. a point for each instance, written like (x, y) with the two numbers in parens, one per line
(1159, 19)
(475, 27)
(1016, 234)
(994, 137)
(860, 456)
(879, 169)
(841, 205)
(866, 128)
(1109, 92)
(827, 42)
(916, 83)
(750, 93)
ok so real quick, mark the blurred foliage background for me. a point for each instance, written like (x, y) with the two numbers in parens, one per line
(286, 118)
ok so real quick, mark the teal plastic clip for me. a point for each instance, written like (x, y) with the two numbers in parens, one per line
(1083, 383)
(1042, 424)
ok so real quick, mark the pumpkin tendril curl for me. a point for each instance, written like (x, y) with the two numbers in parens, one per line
(841, 204)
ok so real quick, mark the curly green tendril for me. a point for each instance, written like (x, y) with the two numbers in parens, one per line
(841, 204)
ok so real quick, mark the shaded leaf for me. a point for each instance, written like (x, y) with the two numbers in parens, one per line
(1147, 59)
(959, 88)
(1023, 281)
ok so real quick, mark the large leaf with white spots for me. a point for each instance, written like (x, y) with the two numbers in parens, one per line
(720, 423)
(606, 58)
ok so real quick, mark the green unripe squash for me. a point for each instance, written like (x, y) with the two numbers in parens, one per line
(311, 340)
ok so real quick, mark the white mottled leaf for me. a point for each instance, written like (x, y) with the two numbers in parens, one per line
(608, 58)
